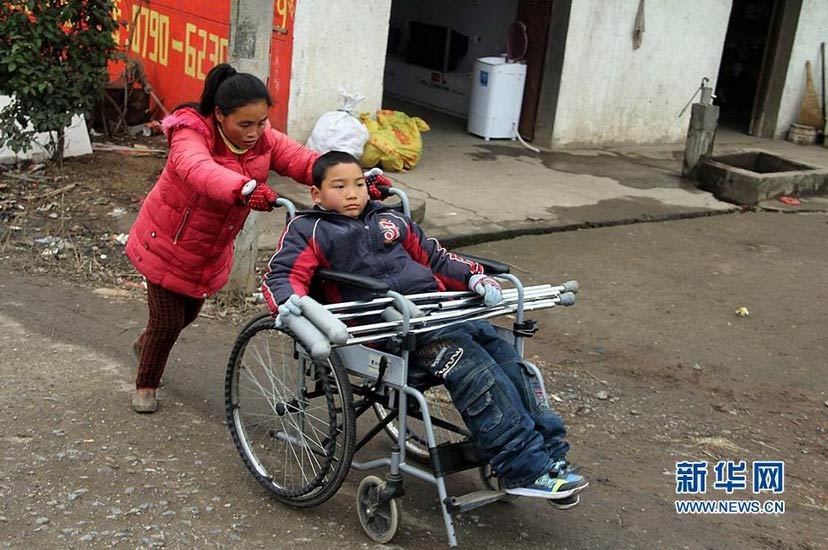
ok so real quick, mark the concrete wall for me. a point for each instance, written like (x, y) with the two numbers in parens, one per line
(611, 93)
(75, 141)
(335, 44)
(484, 21)
(249, 48)
(811, 31)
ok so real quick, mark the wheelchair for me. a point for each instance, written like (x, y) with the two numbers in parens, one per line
(293, 419)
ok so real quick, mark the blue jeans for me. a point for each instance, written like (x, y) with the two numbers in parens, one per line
(499, 398)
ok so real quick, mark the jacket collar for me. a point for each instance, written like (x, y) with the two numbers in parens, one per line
(229, 144)
(370, 208)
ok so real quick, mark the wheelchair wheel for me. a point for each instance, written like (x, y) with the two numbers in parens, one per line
(255, 319)
(416, 444)
(379, 520)
(291, 419)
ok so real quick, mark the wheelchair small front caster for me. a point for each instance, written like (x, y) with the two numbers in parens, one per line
(379, 520)
(492, 483)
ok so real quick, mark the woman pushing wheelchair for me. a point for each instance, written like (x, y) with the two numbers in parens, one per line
(498, 398)
(221, 152)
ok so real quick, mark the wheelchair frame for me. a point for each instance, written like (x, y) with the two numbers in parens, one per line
(384, 380)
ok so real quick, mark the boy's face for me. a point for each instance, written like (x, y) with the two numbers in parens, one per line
(343, 190)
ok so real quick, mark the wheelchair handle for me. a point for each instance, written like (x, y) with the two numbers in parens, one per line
(406, 205)
(287, 204)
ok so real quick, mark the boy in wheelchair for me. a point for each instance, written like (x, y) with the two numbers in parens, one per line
(499, 401)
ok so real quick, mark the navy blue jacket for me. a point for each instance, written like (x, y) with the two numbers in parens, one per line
(380, 243)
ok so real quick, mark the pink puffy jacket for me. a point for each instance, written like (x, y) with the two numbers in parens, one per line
(183, 237)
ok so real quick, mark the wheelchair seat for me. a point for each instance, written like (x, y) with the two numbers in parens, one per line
(421, 379)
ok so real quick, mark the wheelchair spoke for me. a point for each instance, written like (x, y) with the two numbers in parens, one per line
(289, 415)
(269, 397)
(304, 443)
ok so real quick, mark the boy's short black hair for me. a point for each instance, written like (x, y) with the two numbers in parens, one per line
(331, 158)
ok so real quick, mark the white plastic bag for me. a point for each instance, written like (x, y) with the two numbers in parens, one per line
(340, 130)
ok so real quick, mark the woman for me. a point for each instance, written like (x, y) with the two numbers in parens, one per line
(221, 151)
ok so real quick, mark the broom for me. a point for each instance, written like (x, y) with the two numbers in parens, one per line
(824, 109)
(810, 114)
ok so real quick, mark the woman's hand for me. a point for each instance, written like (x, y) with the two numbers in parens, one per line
(373, 178)
(263, 198)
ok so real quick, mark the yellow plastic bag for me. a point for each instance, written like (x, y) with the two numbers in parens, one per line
(394, 142)
(381, 147)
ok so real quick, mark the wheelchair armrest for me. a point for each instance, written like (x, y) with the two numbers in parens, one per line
(490, 267)
(358, 281)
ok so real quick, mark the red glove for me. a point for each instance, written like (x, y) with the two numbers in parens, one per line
(263, 198)
(374, 177)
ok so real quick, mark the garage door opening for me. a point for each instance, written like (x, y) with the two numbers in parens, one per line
(432, 47)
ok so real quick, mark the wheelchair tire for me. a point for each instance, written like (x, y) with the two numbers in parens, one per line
(380, 521)
(292, 420)
(416, 444)
(255, 319)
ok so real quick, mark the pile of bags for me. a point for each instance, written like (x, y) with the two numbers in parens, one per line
(393, 140)
(340, 130)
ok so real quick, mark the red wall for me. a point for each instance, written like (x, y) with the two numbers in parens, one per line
(179, 41)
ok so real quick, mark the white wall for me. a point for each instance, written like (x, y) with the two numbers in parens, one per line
(75, 141)
(611, 93)
(335, 44)
(811, 31)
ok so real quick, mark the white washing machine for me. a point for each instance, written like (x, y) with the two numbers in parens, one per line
(496, 93)
(496, 97)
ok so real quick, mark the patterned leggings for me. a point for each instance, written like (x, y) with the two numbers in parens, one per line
(169, 313)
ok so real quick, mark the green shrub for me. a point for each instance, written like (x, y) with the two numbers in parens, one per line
(53, 63)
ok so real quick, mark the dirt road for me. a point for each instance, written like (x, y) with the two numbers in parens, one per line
(651, 367)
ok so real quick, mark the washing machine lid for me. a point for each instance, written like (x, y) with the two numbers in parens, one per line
(517, 41)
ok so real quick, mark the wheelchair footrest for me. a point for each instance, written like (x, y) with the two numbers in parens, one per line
(449, 458)
(470, 501)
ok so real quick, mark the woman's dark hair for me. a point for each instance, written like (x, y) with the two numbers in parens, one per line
(331, 158)
(228, 90)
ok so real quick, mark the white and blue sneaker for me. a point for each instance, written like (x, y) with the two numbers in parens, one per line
(558, 484)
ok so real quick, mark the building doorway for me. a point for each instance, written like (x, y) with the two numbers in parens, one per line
(746, 43)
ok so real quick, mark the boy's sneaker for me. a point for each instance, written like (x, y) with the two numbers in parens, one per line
(558, 484)
(565, 503)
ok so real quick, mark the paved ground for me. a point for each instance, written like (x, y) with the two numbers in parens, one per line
(655, 329)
